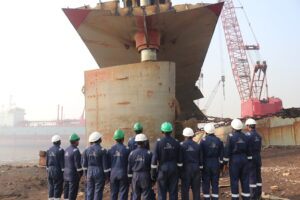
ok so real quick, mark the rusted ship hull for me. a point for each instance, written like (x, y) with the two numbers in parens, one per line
(186, 32)
(173, 41)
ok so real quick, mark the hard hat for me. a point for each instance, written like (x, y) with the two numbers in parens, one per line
(55, 138)
(74, 137)
(166, 127)
(250, 122)
(209, 128)
(138, 127)
(188, 132)
(237, 124)
(140, 138)
(95, 136)
(119, 134)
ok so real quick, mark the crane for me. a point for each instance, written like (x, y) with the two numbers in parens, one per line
(250, 88)
(213, 94)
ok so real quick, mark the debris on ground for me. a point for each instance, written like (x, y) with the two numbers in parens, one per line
(274, 188)
(271, 197)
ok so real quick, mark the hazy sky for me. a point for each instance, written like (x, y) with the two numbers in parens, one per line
(42, 58)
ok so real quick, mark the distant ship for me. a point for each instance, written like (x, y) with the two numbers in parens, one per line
(12, 122)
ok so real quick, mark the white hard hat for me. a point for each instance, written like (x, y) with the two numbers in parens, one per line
(237, 124)
(140, 137)
(209, 128)
(250, 122)
(55, 138)
(188, 132)
(95, 136)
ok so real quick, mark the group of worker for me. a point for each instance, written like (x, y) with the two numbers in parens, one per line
(136, 168)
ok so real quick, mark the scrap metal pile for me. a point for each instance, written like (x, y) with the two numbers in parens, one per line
(220, 122)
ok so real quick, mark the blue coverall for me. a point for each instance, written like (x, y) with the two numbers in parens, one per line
(55, 168)
(164, 167)
(96, 170)
(85, 181)
(139, 166)
(132, 146)
(72, 173)
(238, 153)
(191, 170)
(118, 162)
(213, 150)
(255, 179)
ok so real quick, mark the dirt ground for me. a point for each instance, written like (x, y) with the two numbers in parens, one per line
(280, 171)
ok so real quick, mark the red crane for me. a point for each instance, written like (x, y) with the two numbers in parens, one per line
(250, 89)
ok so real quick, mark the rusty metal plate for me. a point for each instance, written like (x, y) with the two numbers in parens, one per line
(118, 97)
(185, 37)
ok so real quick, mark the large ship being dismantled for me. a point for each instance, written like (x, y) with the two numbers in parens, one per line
(150, 55)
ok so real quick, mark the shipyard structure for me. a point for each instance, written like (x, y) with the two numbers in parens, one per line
(150, 55)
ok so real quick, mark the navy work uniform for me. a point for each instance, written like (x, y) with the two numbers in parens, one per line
(132, 146)
(165, 163)
(55, 168)
(118, 162)
(255, 179)
(72, 173)
(212, 149)
(191, 170)
(238, 153)
(85, 181)
(96, 170)
(139, 166)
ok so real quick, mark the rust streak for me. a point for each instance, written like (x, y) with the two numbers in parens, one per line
(124, 103)
(123, 78)
(100, 43)
(150, 93)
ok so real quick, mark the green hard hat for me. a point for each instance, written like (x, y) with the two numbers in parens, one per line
(166, 127)
(74, 137)
(138, 127)
(119, 134)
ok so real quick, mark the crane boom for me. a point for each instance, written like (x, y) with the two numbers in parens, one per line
(237, 53)
(212, 96)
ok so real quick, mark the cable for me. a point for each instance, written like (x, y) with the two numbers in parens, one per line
(248, 21)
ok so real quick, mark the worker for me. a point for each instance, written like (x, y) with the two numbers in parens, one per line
(84, 176)
(139, 166)
(73, 169)
(95, 167)
(138, 129)
(255, 180)
(166, 163)
(213, 150)
(118, 162)
(192, 164)
(238, 154)
(55, 168)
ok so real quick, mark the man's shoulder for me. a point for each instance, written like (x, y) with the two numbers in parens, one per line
(132, 138)
(69, 148)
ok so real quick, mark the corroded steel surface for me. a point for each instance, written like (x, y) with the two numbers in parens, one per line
(185, 34)
(117, 97)
(275, 131)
